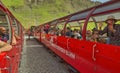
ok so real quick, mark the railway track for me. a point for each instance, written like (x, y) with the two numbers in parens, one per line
(36, 59)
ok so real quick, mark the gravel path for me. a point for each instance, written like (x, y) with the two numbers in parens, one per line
(36, 59)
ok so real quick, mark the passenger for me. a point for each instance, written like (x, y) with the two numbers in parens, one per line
(46, 28)
(15, 37)
(52, 31)
(88, 35)
(68, 32)
(112, 30)
(62, 32)
(100, 25)
(58, 32)
(79, 35)
(3, 34)
(76, 34)
(95, 35)
(73, 36)
(80, 32)
(4, 47)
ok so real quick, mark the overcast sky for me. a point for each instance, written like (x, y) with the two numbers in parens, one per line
(100, 0)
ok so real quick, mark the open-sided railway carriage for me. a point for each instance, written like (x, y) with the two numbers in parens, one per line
(9, 61)
(84, 55)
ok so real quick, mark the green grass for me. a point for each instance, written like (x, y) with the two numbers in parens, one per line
(13, 3)
(45, 11)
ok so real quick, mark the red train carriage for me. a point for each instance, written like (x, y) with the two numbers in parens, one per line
(84, 54)
(9, 61)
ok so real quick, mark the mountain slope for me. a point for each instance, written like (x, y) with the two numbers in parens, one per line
(35, 12)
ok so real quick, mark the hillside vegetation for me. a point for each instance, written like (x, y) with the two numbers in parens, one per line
(35, 12)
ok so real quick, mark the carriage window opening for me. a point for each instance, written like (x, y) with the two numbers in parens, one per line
(19, 28)
(108, 29)
(37, 29)
(60, 29)
(50, 29)
(92, 31)
(74, 30)
(32, 28)
(15, 26)
(5, 24)
(46, 28)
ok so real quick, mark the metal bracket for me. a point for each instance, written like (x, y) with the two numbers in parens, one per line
(93, 52)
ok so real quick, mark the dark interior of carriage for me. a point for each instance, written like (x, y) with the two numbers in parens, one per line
(4, 22)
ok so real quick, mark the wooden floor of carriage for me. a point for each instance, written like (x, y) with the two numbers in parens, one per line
(37, 59)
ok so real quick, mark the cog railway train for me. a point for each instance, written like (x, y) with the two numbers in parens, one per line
(83, 54)
(10, 61)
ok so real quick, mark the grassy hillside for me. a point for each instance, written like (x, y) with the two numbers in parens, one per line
(35, 13)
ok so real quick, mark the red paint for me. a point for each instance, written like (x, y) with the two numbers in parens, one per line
(11, 59)
(83, 55)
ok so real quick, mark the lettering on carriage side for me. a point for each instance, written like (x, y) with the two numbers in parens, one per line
(58, 48)
(51, 40)
(70, 54)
